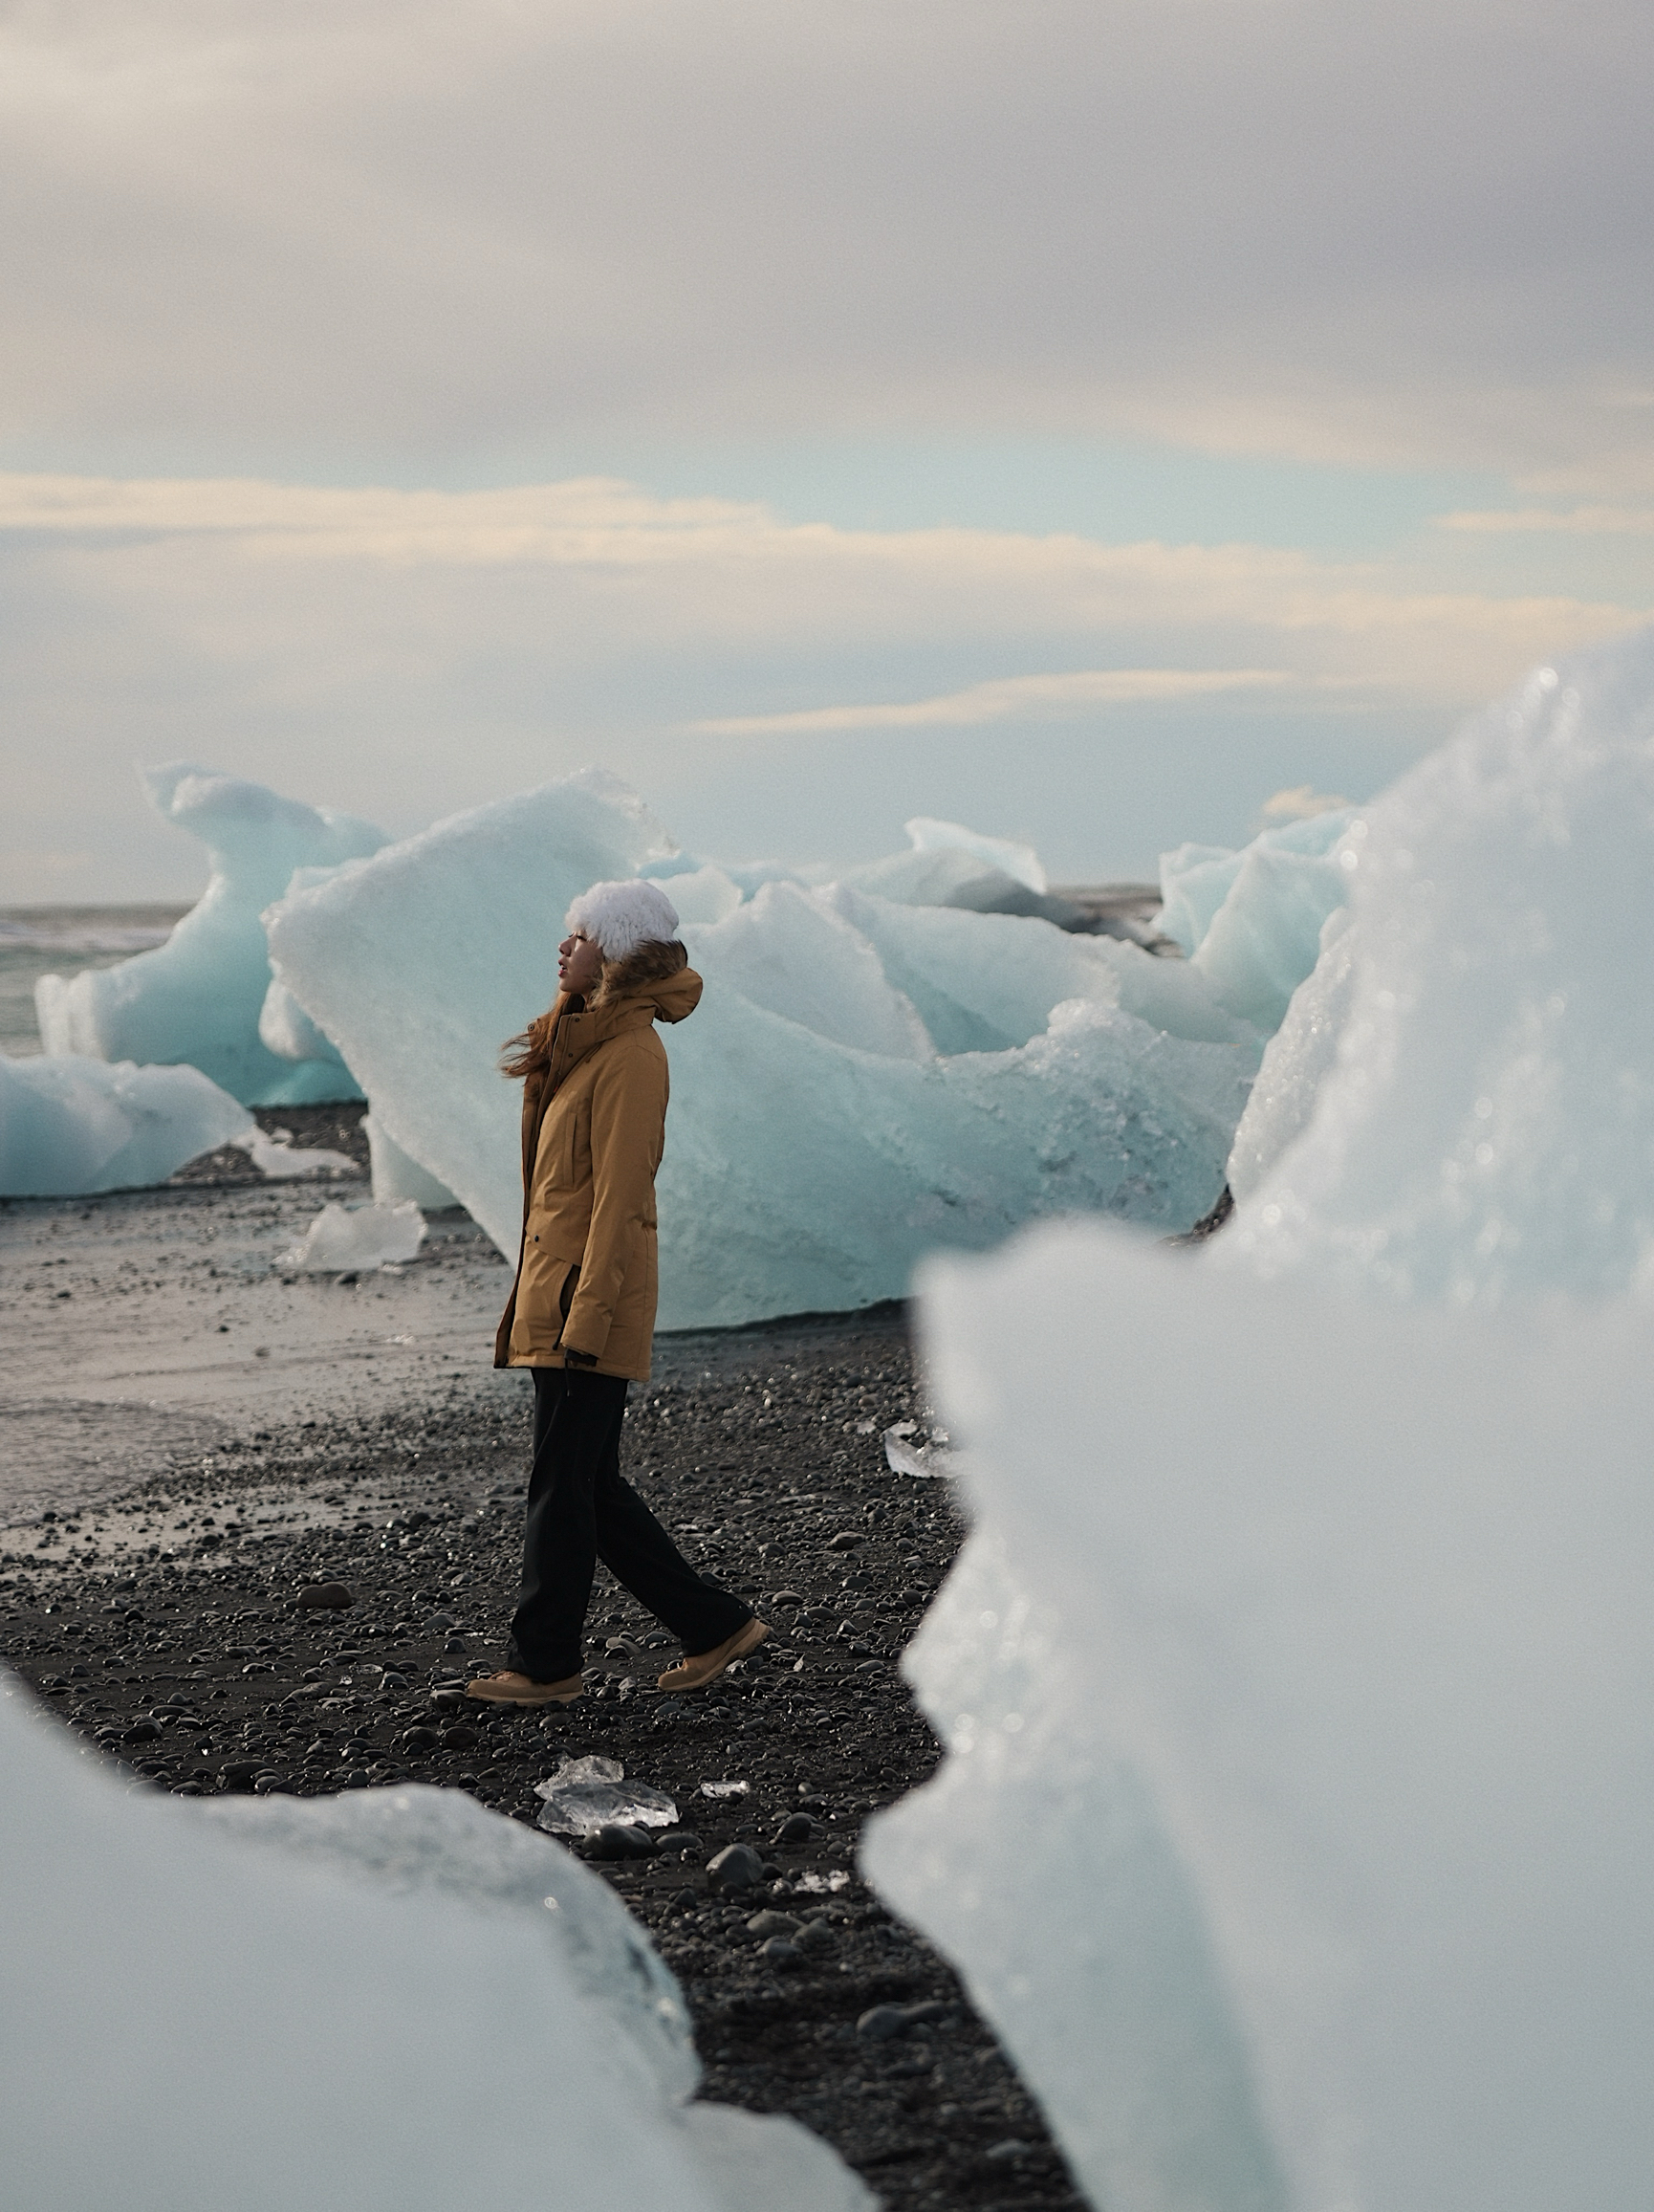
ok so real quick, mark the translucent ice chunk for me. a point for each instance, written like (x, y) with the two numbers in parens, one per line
(903, 1456)
(200, 997)
(278, 1156)
(725, 1788)
(586, 1794)
(1020, 862)
(341, 1240)
(72, 1124)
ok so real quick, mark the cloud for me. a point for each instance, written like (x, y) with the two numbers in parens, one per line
(1575, 522)
(575, 571)
(1405, 234)
(1010, 698)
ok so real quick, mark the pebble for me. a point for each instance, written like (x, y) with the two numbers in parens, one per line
(614, 1840)
(846, 1540)
(879, 2023)
(816, 1936)
(736, 1866)
(780, 1954)
(420, 1739)
(768, 1924)
(326, 1596)
(797, 1828)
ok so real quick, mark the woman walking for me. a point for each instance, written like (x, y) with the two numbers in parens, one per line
(581, 1314)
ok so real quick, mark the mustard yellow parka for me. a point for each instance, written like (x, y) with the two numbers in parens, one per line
(593, 1130)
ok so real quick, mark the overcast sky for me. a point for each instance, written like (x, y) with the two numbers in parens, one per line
(1080, 420)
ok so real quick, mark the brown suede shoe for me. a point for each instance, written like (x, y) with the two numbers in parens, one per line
(507, 1689)
(703, 1666)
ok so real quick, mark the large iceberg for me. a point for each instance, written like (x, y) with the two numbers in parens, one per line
(393, 2002)
(1294, 1825)
(863, 1081)
(69, 1127)
(1461, 1103)
(199, 997)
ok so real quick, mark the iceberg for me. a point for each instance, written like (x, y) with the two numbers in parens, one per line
(1250, 921)
(832, 1120)
(393, 2001)
(1292, 1830)
(1483, 1124)
(72, 1125)
(200, 997)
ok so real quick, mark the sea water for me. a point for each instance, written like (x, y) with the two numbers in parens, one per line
(36, 941)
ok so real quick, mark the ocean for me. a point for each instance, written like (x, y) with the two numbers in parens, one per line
(36, 941)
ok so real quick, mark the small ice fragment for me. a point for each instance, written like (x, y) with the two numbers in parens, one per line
(928, 1460)
(278, 1157)
(586, 1794)
(865, 1428)
(339, 1240)
(725, 1788)
(821, 1885)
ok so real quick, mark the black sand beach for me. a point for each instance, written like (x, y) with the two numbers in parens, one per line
(173, 1488)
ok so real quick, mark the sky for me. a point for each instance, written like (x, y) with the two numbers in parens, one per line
(1082, 418)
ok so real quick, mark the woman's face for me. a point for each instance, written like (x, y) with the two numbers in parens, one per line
(579, 963)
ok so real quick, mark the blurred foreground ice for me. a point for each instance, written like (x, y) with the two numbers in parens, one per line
(1294, 1827)
(392, 2001)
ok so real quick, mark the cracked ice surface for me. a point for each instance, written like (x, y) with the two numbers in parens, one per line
(392, 2001)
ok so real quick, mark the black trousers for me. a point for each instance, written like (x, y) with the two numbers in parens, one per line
(580, 1510)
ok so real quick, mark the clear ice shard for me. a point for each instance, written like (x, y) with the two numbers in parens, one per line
(202, 996)
(861, 1082)
(358, 1997)
(73, 1126)
(589, 1793)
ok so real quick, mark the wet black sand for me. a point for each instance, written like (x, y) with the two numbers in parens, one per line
(186, 1656)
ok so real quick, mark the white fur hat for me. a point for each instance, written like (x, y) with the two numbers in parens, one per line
(622, 916)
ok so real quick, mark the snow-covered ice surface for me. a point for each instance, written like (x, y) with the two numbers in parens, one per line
(1294, 1827)
(342, 1239)
(199, 997)
(73, 1126)
(1487, 1129)
(862, 1082)
(393, 2002)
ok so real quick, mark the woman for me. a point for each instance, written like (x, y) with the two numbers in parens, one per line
(581, 1313)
